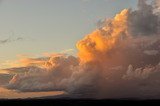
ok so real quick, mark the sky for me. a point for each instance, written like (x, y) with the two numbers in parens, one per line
(34, 27)
(83, 48)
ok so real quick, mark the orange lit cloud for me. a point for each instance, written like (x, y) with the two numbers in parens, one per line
(98, 42)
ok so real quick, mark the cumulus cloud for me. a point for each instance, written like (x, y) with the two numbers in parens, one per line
(118, 60)
(51, 76)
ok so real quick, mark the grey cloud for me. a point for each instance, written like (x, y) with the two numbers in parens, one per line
(151, 52)
(143, 21)
(4, 41)
(8, 40)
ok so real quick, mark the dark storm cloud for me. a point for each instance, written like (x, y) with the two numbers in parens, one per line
(143, 21)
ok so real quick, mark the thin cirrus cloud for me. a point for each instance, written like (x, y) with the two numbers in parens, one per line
(8, 40)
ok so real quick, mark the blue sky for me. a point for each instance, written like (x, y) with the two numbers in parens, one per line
(50, 25)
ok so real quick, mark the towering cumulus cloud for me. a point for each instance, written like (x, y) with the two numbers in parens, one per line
(118, 60)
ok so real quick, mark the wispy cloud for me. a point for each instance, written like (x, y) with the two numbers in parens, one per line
(8, 40)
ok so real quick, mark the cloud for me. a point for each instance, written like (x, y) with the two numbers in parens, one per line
(5, 78)
(49, 77)
(151, 52)
(144, 21)
(120, 59)
(4, 41)
(8, 40)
